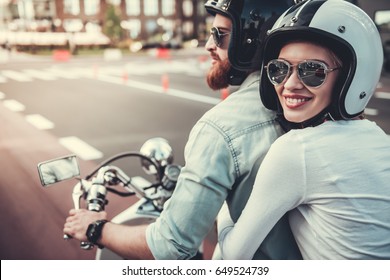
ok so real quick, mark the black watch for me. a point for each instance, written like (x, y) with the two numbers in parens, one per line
(94, 231)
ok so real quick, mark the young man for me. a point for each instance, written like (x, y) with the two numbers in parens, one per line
(222, 155)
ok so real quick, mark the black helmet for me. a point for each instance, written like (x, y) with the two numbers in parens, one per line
(346, 30)
(250, 20)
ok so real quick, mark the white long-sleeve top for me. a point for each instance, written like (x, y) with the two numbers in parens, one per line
(335, 179)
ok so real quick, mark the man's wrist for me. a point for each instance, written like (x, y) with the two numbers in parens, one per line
(94, 232)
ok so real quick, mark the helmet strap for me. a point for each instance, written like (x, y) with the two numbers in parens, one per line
(236, 77)
(318, 119)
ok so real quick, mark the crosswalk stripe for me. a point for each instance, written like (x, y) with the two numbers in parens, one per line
(16, 75)
(80, 148)
(63, 73)
(39, 74)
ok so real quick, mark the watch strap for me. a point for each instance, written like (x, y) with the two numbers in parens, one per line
(94, 231)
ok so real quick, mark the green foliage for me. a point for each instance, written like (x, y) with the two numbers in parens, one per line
(112, 24)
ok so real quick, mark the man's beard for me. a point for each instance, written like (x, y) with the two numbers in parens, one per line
(218, 76)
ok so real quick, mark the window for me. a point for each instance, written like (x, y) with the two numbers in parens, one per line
(188, 8)
(201, 9)
(151, 26)
(93, 27)
(91, 7)
(151, 7)
(114, 2)
(133, 7)
(73, 25)
(168, 7)
(188, 28)
(72, 7)
(133, 26)
(28, 9)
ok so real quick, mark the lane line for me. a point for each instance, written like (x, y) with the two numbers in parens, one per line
(382, 95)
(63, 73)
(80, 148)
(371, 112)
(3, 79)
(16, 75)
(14, 105)
(39, 122)
(39, 74)
(159, 89)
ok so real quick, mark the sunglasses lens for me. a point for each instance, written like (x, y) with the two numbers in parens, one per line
(216, 37)
(277, 71)
(312, 73)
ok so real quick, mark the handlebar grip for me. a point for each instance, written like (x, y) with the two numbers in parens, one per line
(67, 237)
(83, 245)
(86, 245)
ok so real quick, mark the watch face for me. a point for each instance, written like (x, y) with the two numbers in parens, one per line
(94, 231)
(91, 232)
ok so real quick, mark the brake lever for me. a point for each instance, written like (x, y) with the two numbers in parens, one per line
(78, 192)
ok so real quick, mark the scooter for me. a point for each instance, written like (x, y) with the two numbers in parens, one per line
(156, 158)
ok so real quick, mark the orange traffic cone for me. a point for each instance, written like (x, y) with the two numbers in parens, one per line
(165, 82)
(125, 76)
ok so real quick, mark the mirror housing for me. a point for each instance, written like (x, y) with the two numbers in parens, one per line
(58, 170)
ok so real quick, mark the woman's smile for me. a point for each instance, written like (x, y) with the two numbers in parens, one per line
(295, 101)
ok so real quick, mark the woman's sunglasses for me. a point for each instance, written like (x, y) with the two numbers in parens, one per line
(217, 36)
(311, 72)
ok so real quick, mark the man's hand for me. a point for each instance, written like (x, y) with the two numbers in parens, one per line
(77, 223)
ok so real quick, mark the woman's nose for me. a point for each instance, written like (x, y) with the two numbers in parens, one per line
(293, 81)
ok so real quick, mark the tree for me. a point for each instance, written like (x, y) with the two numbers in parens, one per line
(112, 24)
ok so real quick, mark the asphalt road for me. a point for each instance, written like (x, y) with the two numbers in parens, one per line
(108, 107)
(94, 108)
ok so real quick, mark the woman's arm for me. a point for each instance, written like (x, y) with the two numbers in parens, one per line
(279, 187)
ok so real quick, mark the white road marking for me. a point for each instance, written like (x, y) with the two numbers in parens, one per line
(382, 95)
(80, 148)
(39, 122)
(63, 73)
(14, 105)
(2, 79)
(39, 74)
(159, 89)
(371, 112)
(2, 95)
(17, 76)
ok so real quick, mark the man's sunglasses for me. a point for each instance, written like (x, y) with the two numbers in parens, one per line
(312, 73)
(217, 36)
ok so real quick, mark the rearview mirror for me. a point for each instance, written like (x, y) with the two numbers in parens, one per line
(57, 170)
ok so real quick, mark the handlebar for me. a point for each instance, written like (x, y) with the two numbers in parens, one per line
(156, 158)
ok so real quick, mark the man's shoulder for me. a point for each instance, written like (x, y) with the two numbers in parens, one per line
(243, 105)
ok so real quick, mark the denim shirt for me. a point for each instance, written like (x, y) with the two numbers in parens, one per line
(222, 157)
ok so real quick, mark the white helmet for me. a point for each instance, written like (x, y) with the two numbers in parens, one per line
(345, 29)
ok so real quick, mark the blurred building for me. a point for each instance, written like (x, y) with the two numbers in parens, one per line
(172, 21)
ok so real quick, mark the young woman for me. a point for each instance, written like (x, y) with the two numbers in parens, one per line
(322, 62)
